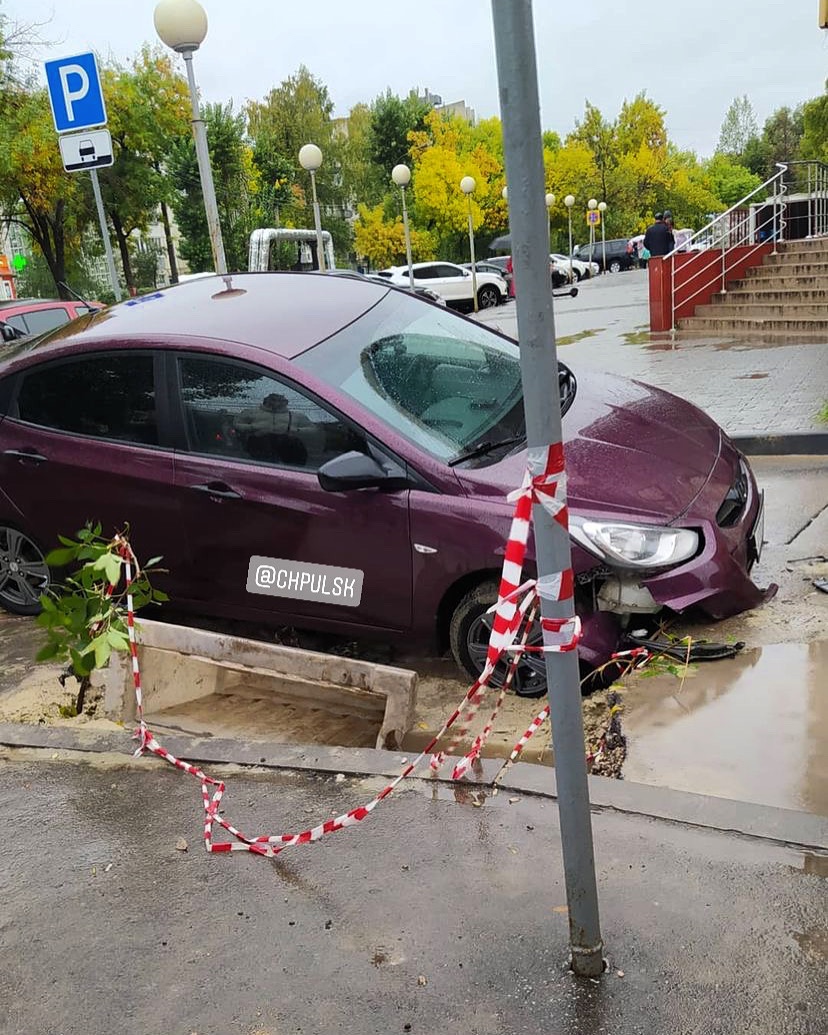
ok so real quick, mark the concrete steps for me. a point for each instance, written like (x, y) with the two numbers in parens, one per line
(786, 298)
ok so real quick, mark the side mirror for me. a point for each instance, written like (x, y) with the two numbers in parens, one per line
(354, 470)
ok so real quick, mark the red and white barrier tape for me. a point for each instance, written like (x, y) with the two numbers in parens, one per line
(517, 603)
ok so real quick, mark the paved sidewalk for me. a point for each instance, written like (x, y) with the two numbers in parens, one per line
(444, 912)
(747, 387)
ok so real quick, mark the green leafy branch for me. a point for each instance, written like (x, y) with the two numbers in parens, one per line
(83, 618)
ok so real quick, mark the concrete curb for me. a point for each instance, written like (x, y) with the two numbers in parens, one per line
(783, 826)
(791, 443)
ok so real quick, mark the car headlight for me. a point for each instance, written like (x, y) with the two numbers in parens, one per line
(635, 546)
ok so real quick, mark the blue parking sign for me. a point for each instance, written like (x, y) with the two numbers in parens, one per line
(75, 93)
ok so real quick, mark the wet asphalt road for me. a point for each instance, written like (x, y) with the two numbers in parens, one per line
(106, 927)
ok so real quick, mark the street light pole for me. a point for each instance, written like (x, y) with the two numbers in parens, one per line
(467, 185)
(520, 114)
(401, 175)
(592, 205)
(602, 208)
(182, 25)
(569, 201)
(310, 158)
(550, 201)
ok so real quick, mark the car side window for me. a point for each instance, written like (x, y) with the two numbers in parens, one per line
(41, 320)
(18, 321)
(444, 270)
(105, 396)
(426, 273)
(240, 413)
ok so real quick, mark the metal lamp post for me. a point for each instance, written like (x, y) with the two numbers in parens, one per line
(310, 158)
(467, 186)
(550, 201)
(569, 201)
(520, 112)
(592, 205)
(602, 208)
(182, 26)
(401, 175)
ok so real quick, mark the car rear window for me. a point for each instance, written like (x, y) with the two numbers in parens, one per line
(105, 396)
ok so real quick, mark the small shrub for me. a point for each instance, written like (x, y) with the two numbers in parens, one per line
(83, 618)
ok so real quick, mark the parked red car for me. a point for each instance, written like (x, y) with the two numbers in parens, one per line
(38, 315)
(337, 421)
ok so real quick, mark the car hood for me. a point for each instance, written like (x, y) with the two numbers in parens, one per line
(630, 449)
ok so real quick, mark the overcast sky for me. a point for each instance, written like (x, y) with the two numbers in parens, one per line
(692, 59)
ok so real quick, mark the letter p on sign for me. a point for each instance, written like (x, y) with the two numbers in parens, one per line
(75, 93)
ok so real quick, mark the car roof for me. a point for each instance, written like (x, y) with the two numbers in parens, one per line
(283, 313)
(30, 303)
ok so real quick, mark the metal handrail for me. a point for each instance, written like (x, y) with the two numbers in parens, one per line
(777, 177)
(745, 229)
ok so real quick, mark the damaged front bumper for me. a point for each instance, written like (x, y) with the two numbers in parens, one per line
(717, 579)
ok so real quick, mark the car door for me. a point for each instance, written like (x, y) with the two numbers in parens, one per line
(456, 283)
(83, 442)
(248, 487)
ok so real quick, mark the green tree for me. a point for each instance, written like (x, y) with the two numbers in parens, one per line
(738, 128)
(35, 192)
(236, 182)
(147, 106)
(729, 180)
(815, 128)
(392, 120)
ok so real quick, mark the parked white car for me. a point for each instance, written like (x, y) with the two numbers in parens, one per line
(452, 283)
(580, 268)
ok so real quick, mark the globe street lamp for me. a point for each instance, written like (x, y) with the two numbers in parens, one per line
(182, 26)
(401, 175)
(592, 204)
(467, 185)
(310, 158)
(602, 208)
(550, 201)
(569, 201)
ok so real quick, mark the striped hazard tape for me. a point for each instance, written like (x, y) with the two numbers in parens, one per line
(514, 613)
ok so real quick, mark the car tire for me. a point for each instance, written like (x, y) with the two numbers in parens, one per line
(468, 636)
(615, 266)
(488, 297)
(469, 655)
(24, 575)
(578, 276)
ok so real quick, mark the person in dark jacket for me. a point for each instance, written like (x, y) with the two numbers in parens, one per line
(659, 240)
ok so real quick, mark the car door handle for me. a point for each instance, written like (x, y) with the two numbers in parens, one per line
(26, 454)
(218, 489)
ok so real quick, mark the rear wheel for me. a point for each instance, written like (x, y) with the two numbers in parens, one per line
(615, 266)
(24, 575)
(578, 275)
(488, 297)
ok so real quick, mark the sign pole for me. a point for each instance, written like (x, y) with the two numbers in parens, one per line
(520, 112)
(110, 258)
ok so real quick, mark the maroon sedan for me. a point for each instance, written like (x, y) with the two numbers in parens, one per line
(274, 434)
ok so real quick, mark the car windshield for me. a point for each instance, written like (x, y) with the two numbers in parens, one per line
(443, 382)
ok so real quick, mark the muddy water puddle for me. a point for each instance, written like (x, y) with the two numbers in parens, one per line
(754, 728)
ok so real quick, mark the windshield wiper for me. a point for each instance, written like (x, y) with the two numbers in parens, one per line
(482, 448)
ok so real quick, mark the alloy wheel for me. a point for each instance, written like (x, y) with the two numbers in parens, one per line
(24, 574)
(530, 675)
(488, 298)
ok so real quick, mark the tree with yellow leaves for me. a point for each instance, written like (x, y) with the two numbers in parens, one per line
(382, 240)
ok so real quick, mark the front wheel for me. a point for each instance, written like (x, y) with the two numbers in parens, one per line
(24, 575)
(469, 634)
(488, 297)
